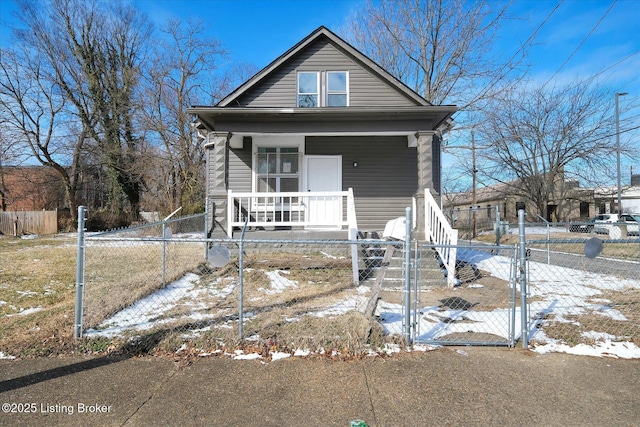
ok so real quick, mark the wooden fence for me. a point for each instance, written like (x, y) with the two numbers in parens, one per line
(18, 223)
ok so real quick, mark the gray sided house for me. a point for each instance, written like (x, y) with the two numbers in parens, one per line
(322, 138)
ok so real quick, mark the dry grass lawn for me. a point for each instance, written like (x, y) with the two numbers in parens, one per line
(37, 294)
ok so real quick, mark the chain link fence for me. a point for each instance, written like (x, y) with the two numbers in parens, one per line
(584, 290)
(127, 272)
(167, 282)
(222, 293)
(483, 308)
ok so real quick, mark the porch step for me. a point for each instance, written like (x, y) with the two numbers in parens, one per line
(372, 255)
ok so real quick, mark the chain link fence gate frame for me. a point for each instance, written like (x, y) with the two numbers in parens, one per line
(483, 308)
(138, 254)
(583, 290)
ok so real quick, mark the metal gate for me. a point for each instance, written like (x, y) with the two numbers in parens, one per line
(483, 307)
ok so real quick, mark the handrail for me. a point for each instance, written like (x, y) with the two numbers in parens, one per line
(442, 235)
(307, 209)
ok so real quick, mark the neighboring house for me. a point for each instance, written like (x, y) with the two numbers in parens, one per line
(286, 147)
(30, 188)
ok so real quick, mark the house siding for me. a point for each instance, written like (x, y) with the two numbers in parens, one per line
(279, 88)
(240, 169)
(378, 197)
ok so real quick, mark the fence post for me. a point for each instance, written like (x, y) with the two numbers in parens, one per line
(77, 326)
(498, 230)
(164, 252)
(206, 228)
(416, 260)
(241, 281)
(548, 239)
(407, 276)
(523, 279)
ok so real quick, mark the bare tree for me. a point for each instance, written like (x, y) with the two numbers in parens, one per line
(35, 119)
(184, 64)
(439, 48)
(541, 138)
(95, 51)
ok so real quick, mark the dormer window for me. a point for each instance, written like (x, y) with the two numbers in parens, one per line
(323, 89)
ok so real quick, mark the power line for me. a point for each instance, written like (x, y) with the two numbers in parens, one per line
(529, 158)
(609, 67)
(581, 43)
(531, 37)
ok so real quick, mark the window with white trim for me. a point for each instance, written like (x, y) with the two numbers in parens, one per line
(308, 89)
(322, 89)
(277, 169)
(337, 89)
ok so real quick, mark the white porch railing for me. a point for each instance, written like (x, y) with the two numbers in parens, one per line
(320, 210)
(440, 232)
(315, 210)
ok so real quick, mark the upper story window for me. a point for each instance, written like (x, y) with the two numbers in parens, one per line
(323, 89)
(308, 89)
(336, 89)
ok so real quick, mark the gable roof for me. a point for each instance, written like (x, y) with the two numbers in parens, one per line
(323, 32)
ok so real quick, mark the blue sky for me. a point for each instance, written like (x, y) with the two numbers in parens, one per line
(258, 31)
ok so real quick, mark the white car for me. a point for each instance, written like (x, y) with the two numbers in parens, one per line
(632, 221)
(603, 223)
(612, 224)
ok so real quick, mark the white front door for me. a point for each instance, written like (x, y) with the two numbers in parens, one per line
(324, 173)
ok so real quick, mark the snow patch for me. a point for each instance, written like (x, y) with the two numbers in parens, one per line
(24, 311)
(279, 283)
(622, 350)
(277, 355)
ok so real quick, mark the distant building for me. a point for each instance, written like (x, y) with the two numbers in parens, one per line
(31, 188)
(607, 199)
(571, 203)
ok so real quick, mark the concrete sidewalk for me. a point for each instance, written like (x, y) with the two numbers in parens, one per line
(448, 386)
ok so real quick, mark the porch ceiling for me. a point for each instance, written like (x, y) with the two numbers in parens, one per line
(322, 120)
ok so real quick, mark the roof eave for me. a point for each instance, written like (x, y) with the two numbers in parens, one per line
(439, 115)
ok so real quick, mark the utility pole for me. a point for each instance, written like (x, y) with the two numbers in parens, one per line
(474, 171)
(618, 95)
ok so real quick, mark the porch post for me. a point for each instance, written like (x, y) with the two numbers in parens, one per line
(428, 160)
(216, 149)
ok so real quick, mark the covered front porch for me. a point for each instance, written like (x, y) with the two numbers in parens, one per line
(318, 211)
(332, 216)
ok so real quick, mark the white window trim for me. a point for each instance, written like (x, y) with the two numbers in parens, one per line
(323, 86)
(270, 141)
(318, 86)
(326, 86)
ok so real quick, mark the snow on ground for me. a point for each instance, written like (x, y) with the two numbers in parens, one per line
(145, 313)
(24, 311)
(558, 291)
(279, 283)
